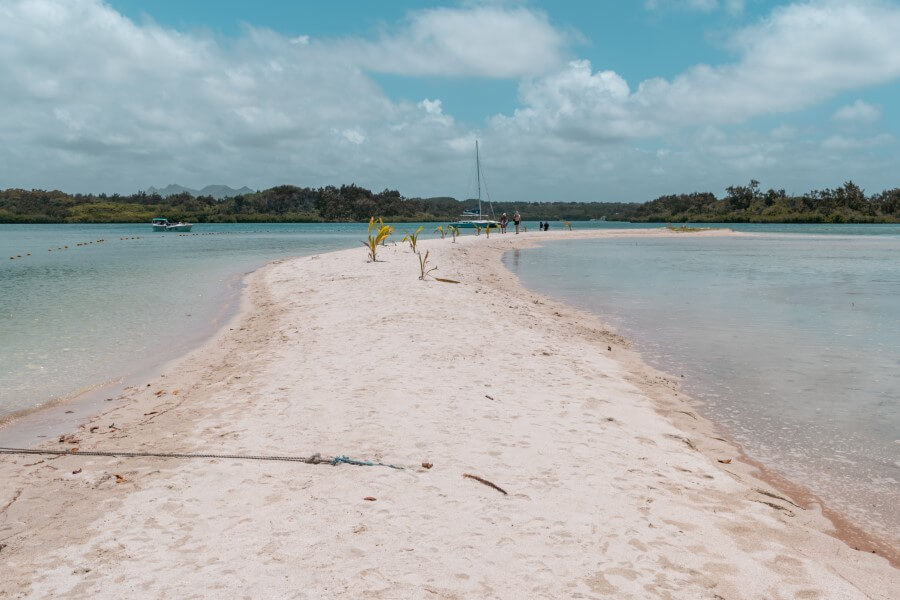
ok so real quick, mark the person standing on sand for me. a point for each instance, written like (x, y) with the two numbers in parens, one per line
(503, 222)
(540, 225)
(517, 218)
(547, 226)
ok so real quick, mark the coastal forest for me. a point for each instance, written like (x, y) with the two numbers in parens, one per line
(288, 203)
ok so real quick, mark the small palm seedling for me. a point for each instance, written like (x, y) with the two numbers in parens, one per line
(440, 229)
(424, 269)
(377, 233)
(454, 231)
(412, 238)
(568, 224)
(487, 230)
(478, 230)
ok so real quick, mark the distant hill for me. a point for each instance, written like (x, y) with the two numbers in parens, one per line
(216, 191)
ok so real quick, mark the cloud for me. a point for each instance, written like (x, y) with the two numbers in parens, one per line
(858, 112)
(799, 56)
(95, 102)
(108, 104)
(484, 41)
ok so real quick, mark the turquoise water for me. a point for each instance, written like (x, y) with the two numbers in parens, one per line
(75, 317)
(72, 318)
(790, 341)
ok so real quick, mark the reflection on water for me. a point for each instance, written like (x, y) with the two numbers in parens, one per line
(792, 342)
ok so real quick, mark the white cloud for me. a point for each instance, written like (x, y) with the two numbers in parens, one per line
(92, 101)
(858, 112)
(432, 107)
(485, 41)
(800, 55)
(108, 104)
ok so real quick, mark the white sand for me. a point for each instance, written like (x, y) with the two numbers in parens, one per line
(607, 498)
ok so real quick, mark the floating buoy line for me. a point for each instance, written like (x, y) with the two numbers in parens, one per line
(136, 237)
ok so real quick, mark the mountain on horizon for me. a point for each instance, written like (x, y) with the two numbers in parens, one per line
(216, 191)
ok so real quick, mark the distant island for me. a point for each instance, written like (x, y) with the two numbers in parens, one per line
(219, 192)
(349, 203)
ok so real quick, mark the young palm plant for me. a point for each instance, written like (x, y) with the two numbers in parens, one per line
(487, 230)
(412, 238)
(377, 234)
(454, 231)
(440, 229)
(478, 230)
(568, 224)
(424, 270)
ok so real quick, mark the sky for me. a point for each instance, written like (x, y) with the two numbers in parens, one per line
(570, 101)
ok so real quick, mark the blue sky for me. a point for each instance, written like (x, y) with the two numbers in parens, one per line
(600, 100)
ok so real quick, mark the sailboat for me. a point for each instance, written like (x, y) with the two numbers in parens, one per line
(473, 218)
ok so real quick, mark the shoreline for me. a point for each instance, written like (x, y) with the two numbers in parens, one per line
(860, 536)
(258, 319)
(31, 426)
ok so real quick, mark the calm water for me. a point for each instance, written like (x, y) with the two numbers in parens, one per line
(73, 318)
(790, 341)
(76, 317)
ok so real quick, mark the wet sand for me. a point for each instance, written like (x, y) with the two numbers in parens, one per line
(613, 480)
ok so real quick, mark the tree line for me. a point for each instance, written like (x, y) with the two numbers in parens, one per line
(288, 203)
(749, 204)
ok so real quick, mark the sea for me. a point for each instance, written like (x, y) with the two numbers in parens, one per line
(789, 337)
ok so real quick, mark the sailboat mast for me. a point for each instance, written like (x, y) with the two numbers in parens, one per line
(478, 175)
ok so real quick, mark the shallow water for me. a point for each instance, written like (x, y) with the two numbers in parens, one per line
(74, 316)
(792, 342)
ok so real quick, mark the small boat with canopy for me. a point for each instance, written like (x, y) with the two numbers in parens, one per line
(161, 224)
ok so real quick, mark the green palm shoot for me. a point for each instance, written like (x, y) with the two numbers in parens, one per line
(478, 230)
(454, 231)
(378, 232)
(412, 238)
(568, 224)
(440, 229)
(424, 269)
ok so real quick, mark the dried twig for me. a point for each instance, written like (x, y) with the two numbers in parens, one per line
(485, 482)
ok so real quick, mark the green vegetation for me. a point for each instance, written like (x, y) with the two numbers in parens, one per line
(378, 233)
(424, 269)
(685, 228)
(287, 203)
(749, 204)
(413, 238)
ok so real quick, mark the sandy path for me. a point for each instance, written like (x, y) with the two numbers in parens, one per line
(607, 498)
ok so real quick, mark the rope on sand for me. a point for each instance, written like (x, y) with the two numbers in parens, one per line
(315, 459)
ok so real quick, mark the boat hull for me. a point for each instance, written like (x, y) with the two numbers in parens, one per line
(173, 227)
(473, 224)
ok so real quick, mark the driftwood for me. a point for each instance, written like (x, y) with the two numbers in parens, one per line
(485, 482)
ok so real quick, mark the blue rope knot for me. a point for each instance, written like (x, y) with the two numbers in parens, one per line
(360, 463)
